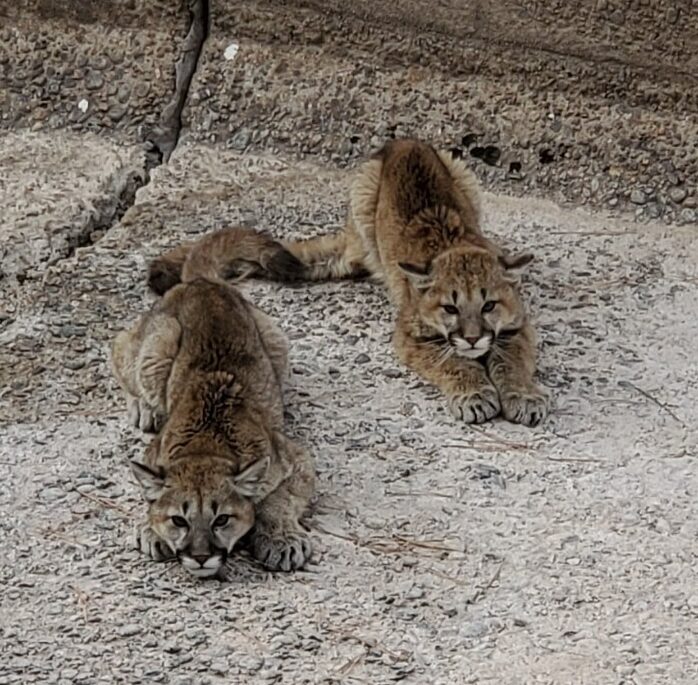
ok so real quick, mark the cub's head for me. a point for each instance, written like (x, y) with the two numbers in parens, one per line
(200, 507)
(468, 297)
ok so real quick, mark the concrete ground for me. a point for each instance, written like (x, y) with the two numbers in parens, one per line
(446, 554)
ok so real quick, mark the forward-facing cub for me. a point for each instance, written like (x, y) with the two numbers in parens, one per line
(414, 223)
(208, 367)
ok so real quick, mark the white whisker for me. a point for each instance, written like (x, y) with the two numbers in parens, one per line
(438, 342)
(444, 356)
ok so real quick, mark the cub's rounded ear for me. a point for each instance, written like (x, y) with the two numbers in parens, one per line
(251, 482)
(512, 262)
(151, 479)
(419, 276)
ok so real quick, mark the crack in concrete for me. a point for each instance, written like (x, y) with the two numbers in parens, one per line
(110, 212)
(164, 137)
(87, 227)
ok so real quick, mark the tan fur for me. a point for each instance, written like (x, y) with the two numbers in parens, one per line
(414, 207)
(466, 184)
(414, 224)
(232, 252)
(207, 367)
(417, 214)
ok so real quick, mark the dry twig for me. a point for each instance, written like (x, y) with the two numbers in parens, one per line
(644, 393)
(83, 600)
(410, 493)
(481, 592)
(394, 545)
(372, 644)
(103, 501)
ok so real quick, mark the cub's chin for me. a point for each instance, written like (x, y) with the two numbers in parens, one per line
(204, 572)
(472, 353)
(208, 569)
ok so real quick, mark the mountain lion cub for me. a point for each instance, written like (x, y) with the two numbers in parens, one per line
(208, 367)
(414, 224)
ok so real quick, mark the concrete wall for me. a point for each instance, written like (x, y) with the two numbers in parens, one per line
(658, 35)
(592, 102)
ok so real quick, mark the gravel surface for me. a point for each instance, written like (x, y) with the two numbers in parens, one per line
(102, 67)
(446, 554)
(55, 198)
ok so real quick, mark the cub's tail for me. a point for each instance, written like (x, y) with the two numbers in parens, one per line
(329, 256)
(242, 252)
(229, 253)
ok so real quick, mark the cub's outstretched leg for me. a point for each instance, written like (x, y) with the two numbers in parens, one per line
(145, 539)
(275, 343)
(511, 365)
(469, 392)
(155, 359)
(124, 360)
(147, 542)
(142, 359)
(279, 541)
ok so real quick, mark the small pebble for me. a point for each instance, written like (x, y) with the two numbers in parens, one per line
(129, 630)
(678, 194)
(638, 197)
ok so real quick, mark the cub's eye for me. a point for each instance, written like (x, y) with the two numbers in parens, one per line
(180, 522)
(488, 306)
(450, 309)
(221, 520)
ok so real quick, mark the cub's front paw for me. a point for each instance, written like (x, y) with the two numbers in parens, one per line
(134, 412)
(528, 407)
(149, 543)
(143, 416)
(282, 551)
(475, 407)
(148, 419)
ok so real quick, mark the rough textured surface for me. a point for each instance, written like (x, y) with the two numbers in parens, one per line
(105, 66)
(648, 33)
(445, 554)
(576, 103)
(591, 102)
(55, 198)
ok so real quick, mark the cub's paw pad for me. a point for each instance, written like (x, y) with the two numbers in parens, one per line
(528, 408)
(149, 543)
(134, 412)
(150, 420)
(475, 407)
(282, 553)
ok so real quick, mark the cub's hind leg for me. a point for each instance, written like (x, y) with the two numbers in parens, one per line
(275, 343)
(278, 540)
(470, 394)
(154, 365)
(335, 255)
(511, 365)
(124, 361)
